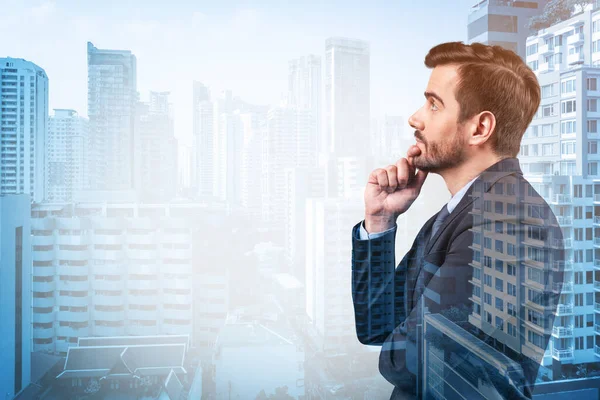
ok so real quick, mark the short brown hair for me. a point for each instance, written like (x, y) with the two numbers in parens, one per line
(495, 79)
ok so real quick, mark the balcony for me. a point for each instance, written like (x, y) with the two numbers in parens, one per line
(597, 198)
(143, 300)
(44, 318)
(44, 271)
(576, 38)
(562, 287)
(564, 221)
(597, 220)
(177, 254)
(185, 314)
(564, 309)
(597, 285)
(170, 298)
(566, 265)
(73, 316)
(546, 49)
(597, 329)
(142, 330)
(597, 350)
(562, 331)
(42, 240)
(176, 238)
(182, 269)
(109, 269)
(141, 238)
(177, 283)
(106, 284)
(107, 300)
(44, 347)
(597, 307)
(72, 270)
(111, 255)
(73, 301)
(109, 239)
(171, 329)
(142, 254)
(597, 242)
(78, 286)
(73, 240)
(72, 332)
(597, 264)
(142, 315)
(145, 284)
(566, 243)
(73, 255)
(111, 316)
(42, 255)
(109, 331)
(562, 354)
(43, 286)
(575, 58)
(43, 333)
(143, 269)
(43, 302)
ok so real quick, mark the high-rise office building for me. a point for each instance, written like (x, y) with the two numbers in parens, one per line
(15, 294)
(347, 96)
(287, 145)
(202, 170)
(112, 95)
(111, 269)
(155, 155)
(502, 22)
(305, 93)
(328, 300)
(559, 156)
(23, 128)
(67, 155)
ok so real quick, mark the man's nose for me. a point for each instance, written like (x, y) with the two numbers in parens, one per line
(415, 122)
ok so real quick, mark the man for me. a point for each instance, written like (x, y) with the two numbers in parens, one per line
(488, 265)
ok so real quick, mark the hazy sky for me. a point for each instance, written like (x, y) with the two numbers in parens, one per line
(244, 46)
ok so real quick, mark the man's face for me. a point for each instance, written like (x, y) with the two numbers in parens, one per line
(439, 136)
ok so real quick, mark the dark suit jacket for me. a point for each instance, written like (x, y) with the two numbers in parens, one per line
(502, 232)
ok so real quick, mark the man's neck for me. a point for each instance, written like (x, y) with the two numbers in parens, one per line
(457, 177)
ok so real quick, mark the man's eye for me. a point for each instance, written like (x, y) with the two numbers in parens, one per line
(433, 105)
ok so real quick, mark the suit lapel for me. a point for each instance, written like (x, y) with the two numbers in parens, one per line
(491, 176)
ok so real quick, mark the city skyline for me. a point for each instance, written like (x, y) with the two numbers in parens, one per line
(248, 52)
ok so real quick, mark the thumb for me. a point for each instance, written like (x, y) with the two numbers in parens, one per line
(419, 179)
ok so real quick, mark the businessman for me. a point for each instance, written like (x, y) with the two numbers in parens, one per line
(489, 264)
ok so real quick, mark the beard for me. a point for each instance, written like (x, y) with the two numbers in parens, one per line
(442, 155)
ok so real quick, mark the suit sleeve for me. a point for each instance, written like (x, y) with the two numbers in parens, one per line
(377, 286)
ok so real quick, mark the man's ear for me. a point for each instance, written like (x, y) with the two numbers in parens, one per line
(483, 126)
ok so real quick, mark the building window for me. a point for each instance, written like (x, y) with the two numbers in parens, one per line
(567, 127)
(568, 106)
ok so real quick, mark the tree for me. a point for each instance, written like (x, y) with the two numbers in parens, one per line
(281, 393)
(556, 11)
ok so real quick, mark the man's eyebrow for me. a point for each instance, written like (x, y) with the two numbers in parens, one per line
(435, 96)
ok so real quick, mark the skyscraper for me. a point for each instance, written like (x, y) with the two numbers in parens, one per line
(347, 96)
(305, 93)
(499, 22)
(23, 128)
(203, 166)
(559, 155)
(155, 156)
(67, 148)
(15, 294)
(112, 95)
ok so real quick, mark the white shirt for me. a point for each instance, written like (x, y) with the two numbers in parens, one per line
(451, 205)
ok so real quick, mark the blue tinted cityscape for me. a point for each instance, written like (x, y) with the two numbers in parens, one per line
(179, 240)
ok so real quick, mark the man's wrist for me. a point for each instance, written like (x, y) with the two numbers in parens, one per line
(375, 224)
